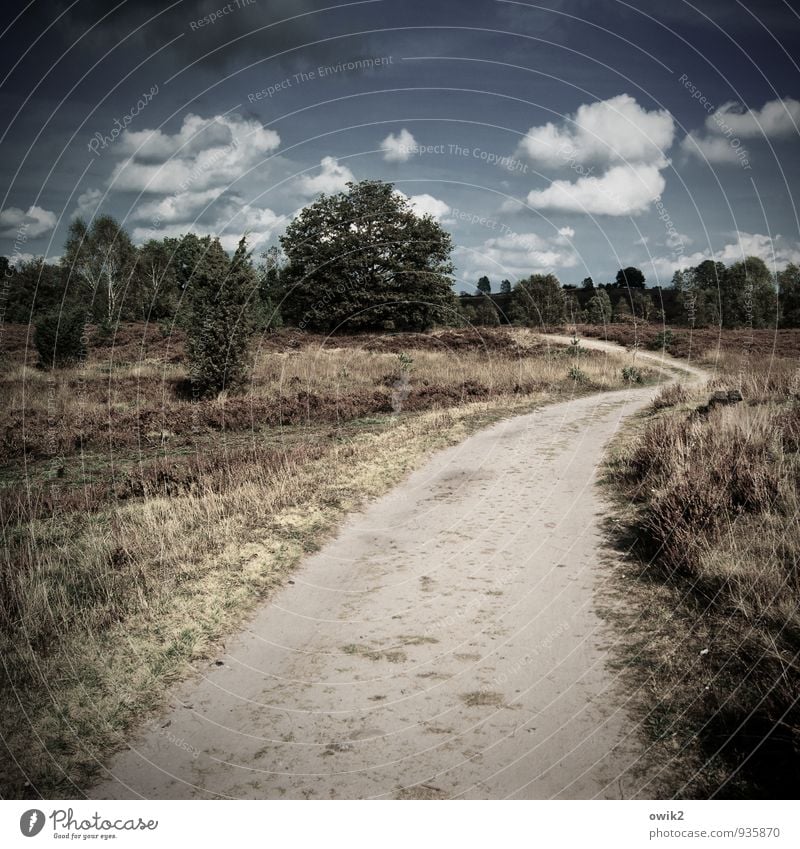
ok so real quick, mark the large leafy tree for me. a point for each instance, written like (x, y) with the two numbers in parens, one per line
(484, 285)
(362, 259)
(572, 307)
(698, 293)
(630, 278)
(269, 272)
(622, 311)
(539, 300)
(641, 304)
(708, 274)
(188, 255)
(742, 295)
(100, 264)
(219, 325)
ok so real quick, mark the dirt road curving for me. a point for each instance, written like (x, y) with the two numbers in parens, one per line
(444, 645)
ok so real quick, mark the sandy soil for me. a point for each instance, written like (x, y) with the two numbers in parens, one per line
(445, 644)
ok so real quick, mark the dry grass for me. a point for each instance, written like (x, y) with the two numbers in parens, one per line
(121, 570)
(144, 405)
(712, 612)
(762, 378)
(670, 396)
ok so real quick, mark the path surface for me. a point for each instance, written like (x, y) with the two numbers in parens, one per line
(445, 644)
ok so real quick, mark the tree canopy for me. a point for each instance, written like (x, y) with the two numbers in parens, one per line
(539, 300)
(362, 259)
(630, 278)
(598, 309)
(739, 295)
(99, 263)
(789, 295)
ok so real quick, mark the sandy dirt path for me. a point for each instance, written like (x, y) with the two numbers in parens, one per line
(444, 644)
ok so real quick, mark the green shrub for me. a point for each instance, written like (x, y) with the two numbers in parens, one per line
(577, 375)
(661, 341)
(59, 338)
(631, 374)
(220, 325)
(405, 362)
(575, 348)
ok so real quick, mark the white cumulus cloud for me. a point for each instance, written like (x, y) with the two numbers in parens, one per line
(332, 177)
(88, 203)
(181, 206)
(19, 258)
(777, 252)
(429, 205)
(195, 135)
(399, 147)
(714, 149)
(229, 222)
(519, 255)
(775, 118)
(35, 222)
(622, 190)
(204, 153)
(730, 123)
(605, 132)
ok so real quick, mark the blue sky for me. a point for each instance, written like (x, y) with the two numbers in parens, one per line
(573, 137)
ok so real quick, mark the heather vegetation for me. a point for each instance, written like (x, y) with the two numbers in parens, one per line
(711, 617)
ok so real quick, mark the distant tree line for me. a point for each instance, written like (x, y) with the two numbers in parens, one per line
(357, 260)
(711, 294)
(111, 280)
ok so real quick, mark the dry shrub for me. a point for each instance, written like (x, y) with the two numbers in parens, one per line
(170, 476)
(106, 580)
(102, 610)
(698, 475)
(761, 379)
(718, 521)
(670, 396)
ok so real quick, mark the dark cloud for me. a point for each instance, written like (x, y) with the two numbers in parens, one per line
(210, 33)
